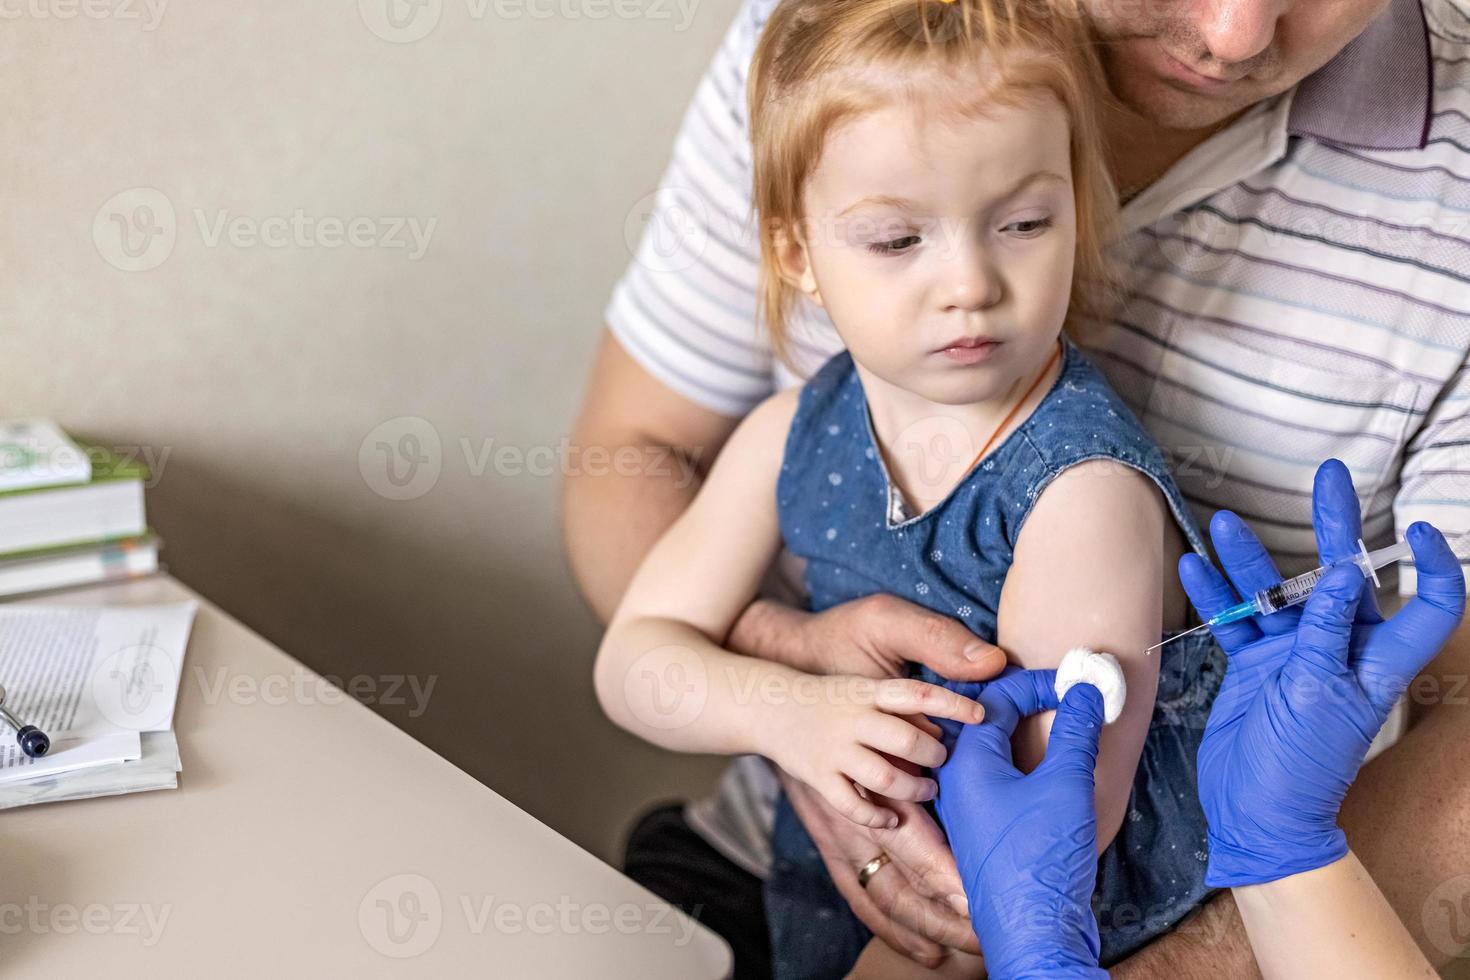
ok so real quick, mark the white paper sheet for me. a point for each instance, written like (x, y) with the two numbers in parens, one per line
(157, 769)
(70, 754)
(91, 672)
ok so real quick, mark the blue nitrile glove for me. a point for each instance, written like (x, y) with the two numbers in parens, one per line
(1307, 690)
(1026, 845)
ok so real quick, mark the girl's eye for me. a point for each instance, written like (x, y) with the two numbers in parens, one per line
(1029, 228)
(894, 246)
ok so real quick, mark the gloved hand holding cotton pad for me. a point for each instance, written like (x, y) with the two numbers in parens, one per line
(1102, 671)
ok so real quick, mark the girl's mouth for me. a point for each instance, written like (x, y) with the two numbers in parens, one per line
(969, 351)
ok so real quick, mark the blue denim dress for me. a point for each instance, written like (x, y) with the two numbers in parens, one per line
(841, 513)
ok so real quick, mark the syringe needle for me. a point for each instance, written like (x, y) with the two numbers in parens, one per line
(1295, 591)
(1150, 650)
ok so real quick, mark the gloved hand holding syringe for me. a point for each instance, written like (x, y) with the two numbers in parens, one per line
(1295, 591)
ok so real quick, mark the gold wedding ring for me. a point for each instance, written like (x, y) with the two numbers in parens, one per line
(866, 872)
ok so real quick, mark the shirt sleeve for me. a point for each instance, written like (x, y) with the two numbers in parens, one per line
(1434, 484)
(685, 306)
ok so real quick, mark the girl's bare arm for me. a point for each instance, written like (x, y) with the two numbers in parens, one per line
(663, 674)
(1089, 570)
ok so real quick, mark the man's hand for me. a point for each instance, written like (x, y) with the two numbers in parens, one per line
(869, 637)
(907, 903)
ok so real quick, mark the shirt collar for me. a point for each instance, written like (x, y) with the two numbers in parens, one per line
(1247, 146)
(1376, 92)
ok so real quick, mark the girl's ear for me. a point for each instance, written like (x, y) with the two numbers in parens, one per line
(795, 264)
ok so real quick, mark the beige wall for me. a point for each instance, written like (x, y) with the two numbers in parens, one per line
(257, 373)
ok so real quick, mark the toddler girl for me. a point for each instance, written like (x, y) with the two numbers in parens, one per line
(930, 175)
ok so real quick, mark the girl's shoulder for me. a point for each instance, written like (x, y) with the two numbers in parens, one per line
(1083, 418)
(1084, 421)
(833, 380)
(833, 396)
(768, 425)
(827, 442)
(754, 452)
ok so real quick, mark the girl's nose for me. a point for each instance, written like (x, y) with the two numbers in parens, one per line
(971, 282)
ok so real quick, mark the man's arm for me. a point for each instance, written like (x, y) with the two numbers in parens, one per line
(1408, 819)
(1408, 815)
(611, 519)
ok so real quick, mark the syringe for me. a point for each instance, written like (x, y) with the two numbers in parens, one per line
(1295, 591)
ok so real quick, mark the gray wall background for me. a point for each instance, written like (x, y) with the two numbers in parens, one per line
(264, 362)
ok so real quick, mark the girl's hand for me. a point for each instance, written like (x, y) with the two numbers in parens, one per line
(834, 732)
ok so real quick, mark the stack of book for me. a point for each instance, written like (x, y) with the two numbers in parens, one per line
(70, 513)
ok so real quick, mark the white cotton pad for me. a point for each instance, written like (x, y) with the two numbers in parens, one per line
(1101, 670)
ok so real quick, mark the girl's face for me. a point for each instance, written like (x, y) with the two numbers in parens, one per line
(942, 248)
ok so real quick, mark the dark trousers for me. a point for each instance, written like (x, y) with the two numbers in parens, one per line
(667, 857)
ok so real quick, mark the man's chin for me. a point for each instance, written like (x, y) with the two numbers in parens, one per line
(1171, 107)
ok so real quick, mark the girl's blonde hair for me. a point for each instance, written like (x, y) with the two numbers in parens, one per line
(813, 70)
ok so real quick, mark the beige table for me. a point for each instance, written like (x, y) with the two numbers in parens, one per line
(313, 840)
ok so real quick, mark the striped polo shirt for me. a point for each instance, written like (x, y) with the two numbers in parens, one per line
(1295, 288)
